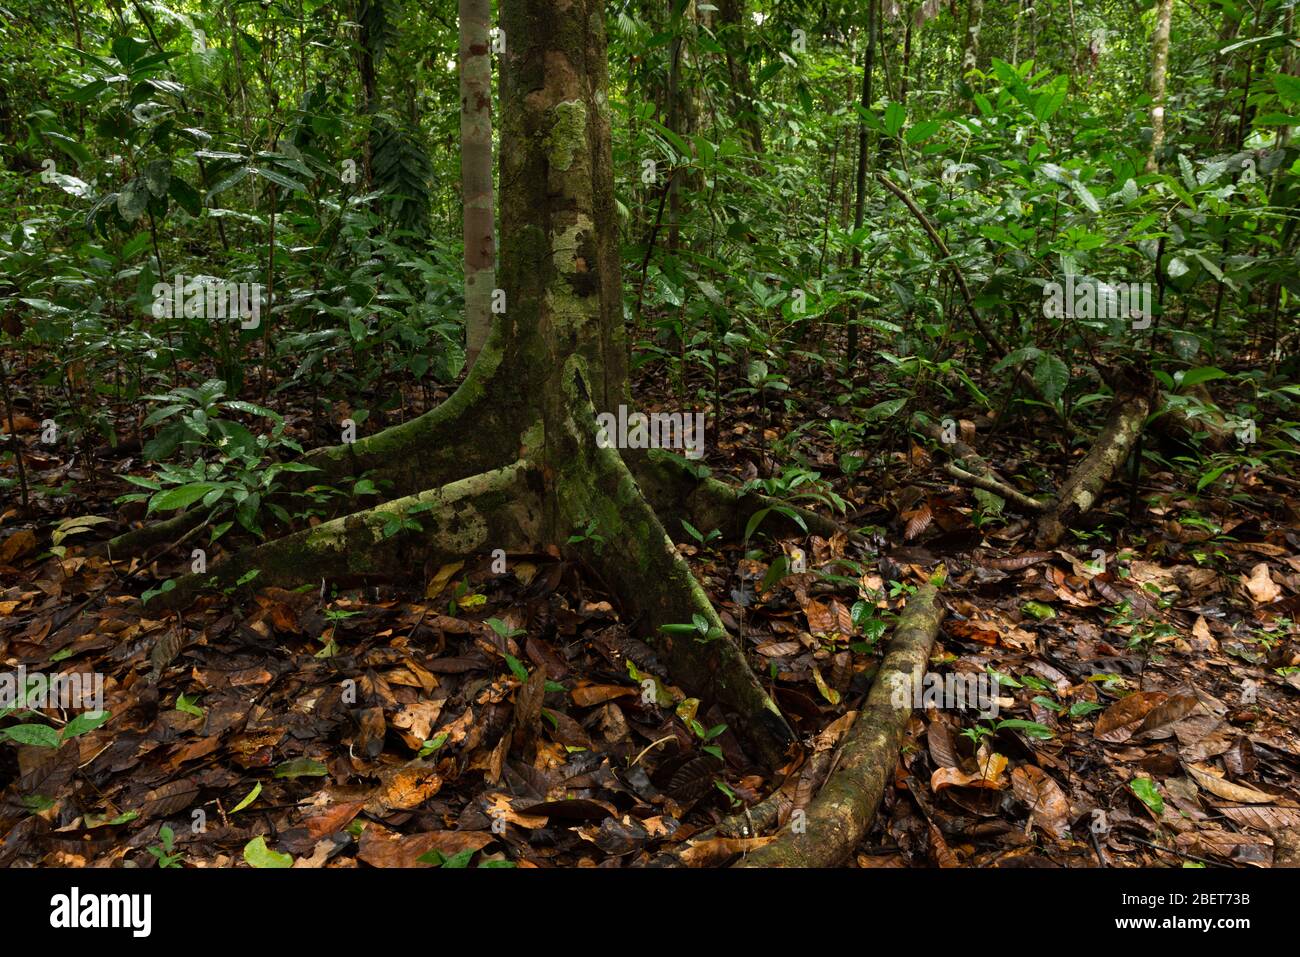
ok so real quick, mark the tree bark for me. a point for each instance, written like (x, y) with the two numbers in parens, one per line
(732, 35)
(971, 44)
(1159, 69)
(860, 185)
(475, 62)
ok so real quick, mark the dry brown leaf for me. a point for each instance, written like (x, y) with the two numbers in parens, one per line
(1174, 708)
(1047, 802)
(17, 545)
(1239, 848)
(404, 789)
(939, 849)
(585, 694)
(778, 649)
(820, 617)
(955, 777)
(1208, 778)
(719, 849)
(918, 520)
(381, 848)
(440, 580)
(1263, 818)
(1121, 720)
(333, 818)
(417, 720)
(1263, 590)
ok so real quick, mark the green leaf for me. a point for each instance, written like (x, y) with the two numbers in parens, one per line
(1051, 376)
(919, 132)
(1085, 196)
(132, 200)
(1038, 610)
(1198, 375)
(1210, 477)
(252, 796)
(1031, 728)
(279, 179)
(301, 768)
(83, 723)
(181, 497)
(433, 745)
(33, 735)
(1288, 87)
(1145, 789)
(459, 860)
(895, 115)
(258, 855)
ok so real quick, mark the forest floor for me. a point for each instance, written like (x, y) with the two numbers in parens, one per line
(482, 718)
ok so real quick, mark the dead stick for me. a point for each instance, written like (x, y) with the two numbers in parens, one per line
(992, 484)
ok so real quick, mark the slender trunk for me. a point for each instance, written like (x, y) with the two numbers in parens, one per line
(476, 172)
(860, 186)
(1159, 68)
(13, 432)
(741, 90)
(971, 49)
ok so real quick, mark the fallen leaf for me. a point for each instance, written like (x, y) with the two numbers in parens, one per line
(381, 848)
(1261, 586)
(1206, 777)
(1122, 720)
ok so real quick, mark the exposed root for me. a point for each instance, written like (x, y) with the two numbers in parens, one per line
(139, 540)
(473, 431)
(842, 812)
(639, 561)
(767, 815)
(1123, 425)
(678, 492)
(497, 509)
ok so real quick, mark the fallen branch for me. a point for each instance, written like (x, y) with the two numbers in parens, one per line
(1123, 425)
(494, 509)
(978, 472)
(991, 483)
(842, 812)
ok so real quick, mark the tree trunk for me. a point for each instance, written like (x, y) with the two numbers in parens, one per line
(476, 172)
(971, 48)
(524, 419)
(741, 90)
(860, 185)
(1159, 69)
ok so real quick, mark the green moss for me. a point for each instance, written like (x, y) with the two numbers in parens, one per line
(568, 136)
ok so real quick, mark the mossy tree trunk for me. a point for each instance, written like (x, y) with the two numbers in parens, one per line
(511, 461)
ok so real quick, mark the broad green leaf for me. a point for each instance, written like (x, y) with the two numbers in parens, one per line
(181, 497)
(34, 735)
(1145, 789)
(258, 855)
